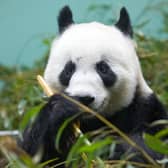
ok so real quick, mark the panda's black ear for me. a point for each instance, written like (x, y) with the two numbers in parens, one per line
(124, 23)
(65, 18)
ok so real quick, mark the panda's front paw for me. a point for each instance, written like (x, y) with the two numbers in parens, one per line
(61, 108)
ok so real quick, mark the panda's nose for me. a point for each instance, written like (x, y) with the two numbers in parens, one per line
(86, 100)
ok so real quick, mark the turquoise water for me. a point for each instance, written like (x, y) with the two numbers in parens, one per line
(24, 23)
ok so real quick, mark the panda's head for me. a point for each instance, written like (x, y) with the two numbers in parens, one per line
(96, 63)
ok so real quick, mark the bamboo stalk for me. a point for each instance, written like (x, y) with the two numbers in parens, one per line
(49, 92)
(44, 86)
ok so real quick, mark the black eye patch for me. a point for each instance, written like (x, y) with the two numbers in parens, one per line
(105, 72)
(67, 73)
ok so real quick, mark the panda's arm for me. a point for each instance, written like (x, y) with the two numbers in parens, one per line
(146, 111)
(43, 131)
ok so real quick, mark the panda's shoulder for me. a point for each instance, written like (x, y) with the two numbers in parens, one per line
(139, 114)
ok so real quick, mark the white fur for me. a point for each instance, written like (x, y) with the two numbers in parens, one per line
(86, 44)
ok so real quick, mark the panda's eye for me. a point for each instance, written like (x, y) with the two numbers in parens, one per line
(102, 67)
(67, 73)
(105, 72)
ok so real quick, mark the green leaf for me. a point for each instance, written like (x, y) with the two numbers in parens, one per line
(156, 144)
(30, 115)
(162, 133)
(47, 162)
(60, 132)
(62, 128)
(73, 154)
(96, 145)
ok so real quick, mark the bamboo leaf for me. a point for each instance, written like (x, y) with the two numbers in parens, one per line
(156, 144)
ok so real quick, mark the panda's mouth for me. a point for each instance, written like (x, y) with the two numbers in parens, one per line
(99, 108)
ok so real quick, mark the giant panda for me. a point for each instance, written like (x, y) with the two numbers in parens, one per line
(98, 66)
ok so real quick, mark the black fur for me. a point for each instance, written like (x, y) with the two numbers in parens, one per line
(124, 23)
(105, 72)
(65, 19)
(67, 73)
(133, 120)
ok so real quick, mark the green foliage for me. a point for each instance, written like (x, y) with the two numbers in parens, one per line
(153, 56)
(156, 144)
(18, 93)
(87, 154)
